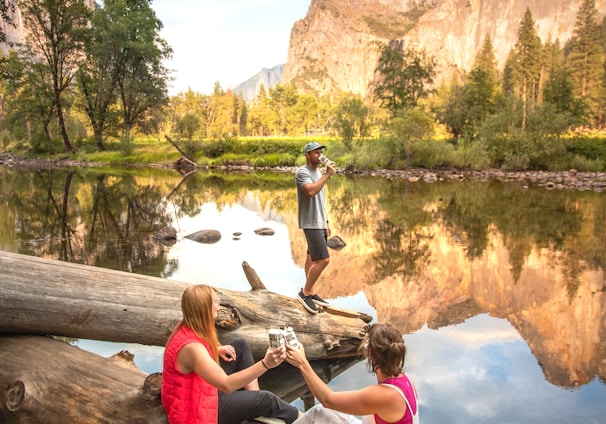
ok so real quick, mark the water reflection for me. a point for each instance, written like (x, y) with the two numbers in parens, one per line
(499, 288)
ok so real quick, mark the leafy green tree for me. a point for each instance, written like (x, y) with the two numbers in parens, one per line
(302, 116)
(351, 119)
(410, 127)
(283, 97)
(188, 125)
(225, 109)
(452, 112)
(419, 72)
(142, 77)
(56, 32)
(526, 64)
(31, 105)
(259, 113)
(186, 103)
(98, 77)
(586, 60)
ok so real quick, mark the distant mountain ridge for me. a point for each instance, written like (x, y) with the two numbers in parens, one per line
(266, 78)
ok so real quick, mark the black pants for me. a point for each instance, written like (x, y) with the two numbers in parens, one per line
(243, 405)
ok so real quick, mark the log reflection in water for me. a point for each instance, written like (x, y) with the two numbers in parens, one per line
(286, 381)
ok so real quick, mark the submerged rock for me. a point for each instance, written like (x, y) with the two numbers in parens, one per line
(265, 231)
(336, 243)
(205, 236)
(166, 233)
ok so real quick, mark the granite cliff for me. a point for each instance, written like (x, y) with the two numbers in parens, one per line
(334, 48)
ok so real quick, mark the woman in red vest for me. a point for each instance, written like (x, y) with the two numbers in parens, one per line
(195, 386)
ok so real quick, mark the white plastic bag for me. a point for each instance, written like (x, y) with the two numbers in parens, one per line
(320, 415)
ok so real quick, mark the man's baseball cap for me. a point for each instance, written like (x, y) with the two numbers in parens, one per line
(312, 146)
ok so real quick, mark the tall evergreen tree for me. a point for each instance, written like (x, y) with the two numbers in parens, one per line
(526, 64)
(388, 84)
(486, 61)
(402, 76)
(558, 89)
(586, 60)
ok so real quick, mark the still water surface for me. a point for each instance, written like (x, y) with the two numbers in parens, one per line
(498, 289)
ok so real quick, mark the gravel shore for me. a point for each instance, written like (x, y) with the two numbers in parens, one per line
(563, 180)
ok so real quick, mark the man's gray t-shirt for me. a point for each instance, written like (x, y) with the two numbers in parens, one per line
(312, 210)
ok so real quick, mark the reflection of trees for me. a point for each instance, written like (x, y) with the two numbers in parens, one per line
(107, 222)
(527, 219)
(464, 217)
(404, 235)
(404, 253)
(224, 189)
(45, 203)
(123, 217)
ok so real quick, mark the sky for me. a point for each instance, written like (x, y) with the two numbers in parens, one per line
(228, 41)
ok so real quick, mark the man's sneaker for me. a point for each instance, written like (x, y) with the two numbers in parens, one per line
(307, 302)
(317, 299)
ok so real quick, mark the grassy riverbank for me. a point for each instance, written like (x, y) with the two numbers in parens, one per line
(581, 152)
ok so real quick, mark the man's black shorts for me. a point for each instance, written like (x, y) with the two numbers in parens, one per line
(316, 244)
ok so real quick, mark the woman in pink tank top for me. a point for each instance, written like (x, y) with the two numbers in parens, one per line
(392, 400)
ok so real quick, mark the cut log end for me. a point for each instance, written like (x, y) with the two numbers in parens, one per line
(152, 386)
(15, 396)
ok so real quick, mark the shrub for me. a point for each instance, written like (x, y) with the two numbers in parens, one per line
(472, 155)
(581, 163)
(378, 153)
(432, 154)
(6, 138)
(590, 147)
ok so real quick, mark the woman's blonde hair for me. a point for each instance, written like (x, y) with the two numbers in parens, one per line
(197, 308)
(384, 349)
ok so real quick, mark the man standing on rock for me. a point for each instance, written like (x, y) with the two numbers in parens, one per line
(311, 202)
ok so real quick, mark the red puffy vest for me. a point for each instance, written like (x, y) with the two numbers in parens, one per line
(187, 398)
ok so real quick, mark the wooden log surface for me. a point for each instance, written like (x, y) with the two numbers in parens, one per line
(48, 297)
(43, 380)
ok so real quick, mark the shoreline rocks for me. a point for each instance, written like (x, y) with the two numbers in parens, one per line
(550, 180)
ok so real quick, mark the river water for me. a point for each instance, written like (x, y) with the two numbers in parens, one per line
(497, 287)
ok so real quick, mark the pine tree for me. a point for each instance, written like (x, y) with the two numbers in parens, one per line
(485, 59)
(526, 65)
(585, 61)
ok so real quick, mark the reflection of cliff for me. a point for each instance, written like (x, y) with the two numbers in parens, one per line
(565, 334)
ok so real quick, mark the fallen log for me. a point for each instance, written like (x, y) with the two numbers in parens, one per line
(43, 380)
(47, 297)
(186, 161)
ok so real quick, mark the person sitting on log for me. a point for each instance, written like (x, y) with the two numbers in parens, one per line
(392, 400)
(203, 382)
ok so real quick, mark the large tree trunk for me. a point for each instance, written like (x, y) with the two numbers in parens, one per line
(43, 380)
(47, 297)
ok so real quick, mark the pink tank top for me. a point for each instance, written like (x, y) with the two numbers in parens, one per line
(410, 397)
